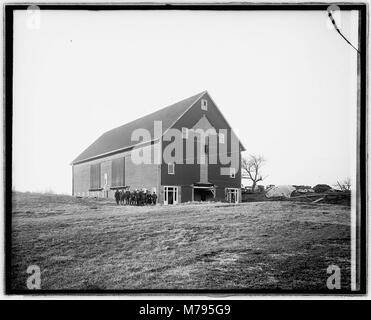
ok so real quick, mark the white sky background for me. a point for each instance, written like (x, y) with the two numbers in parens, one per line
(285, 81)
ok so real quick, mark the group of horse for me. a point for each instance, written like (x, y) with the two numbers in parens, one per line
(135, 197)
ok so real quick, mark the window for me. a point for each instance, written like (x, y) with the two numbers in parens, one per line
(185, 133)
(232, 173)
(206, 148)
(204, 104)
(105, 179)
(170, 168)
(221, 137)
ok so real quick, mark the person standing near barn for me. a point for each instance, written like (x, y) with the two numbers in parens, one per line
(154, 198)
(117, 196)
(135, 197)
(140, 197)
(122, 197)
(148, 198)
(127, 196)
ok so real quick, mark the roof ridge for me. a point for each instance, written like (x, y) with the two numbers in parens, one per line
(158, 110)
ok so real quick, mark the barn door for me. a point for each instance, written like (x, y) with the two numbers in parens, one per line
(232, 195)
(170, 195)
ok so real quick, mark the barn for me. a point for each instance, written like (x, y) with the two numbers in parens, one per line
(184, 152)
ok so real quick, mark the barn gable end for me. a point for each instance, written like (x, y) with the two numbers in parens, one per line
(187, 175)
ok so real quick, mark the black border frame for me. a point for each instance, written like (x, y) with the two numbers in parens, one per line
(361, 160)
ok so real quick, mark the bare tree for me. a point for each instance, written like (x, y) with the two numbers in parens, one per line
(251, 168)
(343, 185)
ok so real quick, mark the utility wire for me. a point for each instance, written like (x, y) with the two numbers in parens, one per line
(337, 29)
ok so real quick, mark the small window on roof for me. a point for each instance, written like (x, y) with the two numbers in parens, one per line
(170, 168)
(204, 104)
(232, 173)
(185, 133)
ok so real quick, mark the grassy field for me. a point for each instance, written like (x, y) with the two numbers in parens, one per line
(94, 244)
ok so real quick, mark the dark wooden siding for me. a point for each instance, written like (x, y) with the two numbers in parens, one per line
(220, 194)
(186, 194)
(187, 174)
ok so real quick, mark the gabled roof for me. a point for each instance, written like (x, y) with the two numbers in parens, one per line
(120, 137)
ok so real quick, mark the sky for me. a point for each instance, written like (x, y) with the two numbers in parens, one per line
(285, 81)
